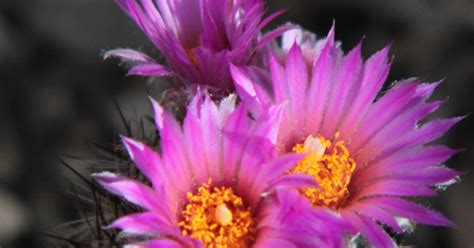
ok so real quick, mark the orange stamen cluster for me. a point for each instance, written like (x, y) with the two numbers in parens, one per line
(218, 218)
(330, 164)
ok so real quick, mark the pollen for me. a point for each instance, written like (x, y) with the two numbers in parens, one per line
(330, 164)
(218, 218)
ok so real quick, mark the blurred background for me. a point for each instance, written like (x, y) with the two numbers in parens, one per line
(56, 94)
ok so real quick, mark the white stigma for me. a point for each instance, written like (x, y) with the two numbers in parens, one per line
(223, 215)
(314, 146)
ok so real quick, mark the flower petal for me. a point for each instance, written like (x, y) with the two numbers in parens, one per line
(320, 85)
(172, 143)
(293, 181)
(403, 208)
(156, 243)
(375, 73)
(146, 159)
(131, 190)
(147, 223)
(343, 92)
(149, 70)
(129, 55)
(372, 232)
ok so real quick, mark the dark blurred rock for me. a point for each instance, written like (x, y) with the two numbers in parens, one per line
(13, 216)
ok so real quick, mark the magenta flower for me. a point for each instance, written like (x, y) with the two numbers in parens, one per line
(198, 38)
(367, 153)
(211, 185)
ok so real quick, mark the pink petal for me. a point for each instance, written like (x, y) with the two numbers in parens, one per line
(172, 144)
(156, 243)
(268, 241)
(149, 70)
(408, 159)
(246, 89)
(146, 223)
(129, 54)
(375, 73)
(297, 75)
(431, 131)
(374, 212)
(146, 160)
(266, 38)
(372, 232)
(280, 85)
(398, 126)
(383, 111)
(133, 191)
(348, 75)
(212, 141)
(273, 170)
(320, 85)
(193, 135)
(412, 211)
(237, 124)
(391, 187)
(296, 181)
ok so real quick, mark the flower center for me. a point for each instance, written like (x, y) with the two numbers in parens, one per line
(330, 164)
(218, 218)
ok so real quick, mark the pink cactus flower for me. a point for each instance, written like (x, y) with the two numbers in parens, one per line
(198, 38)
(367, 153)
(216, 183)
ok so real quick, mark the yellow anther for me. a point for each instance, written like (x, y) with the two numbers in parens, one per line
(218, 218)
(330, 164)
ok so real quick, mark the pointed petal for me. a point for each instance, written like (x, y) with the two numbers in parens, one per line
(149, 70)
(374, 212)
(193, 135)
(347, 76)
(147, 223)
(428, 132)
(172, 143)
(130, 55)
(392, 187)
(237, 124)
(412, 211)
(400, 125)
(131, 190)
(212, 141)
(375, 73)
(408, 159)
(147, 160)
(246, 89)
(266, 38)
(156, 243)
(383, 111)
(297, 76)
(320, 85)
(374, 233)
